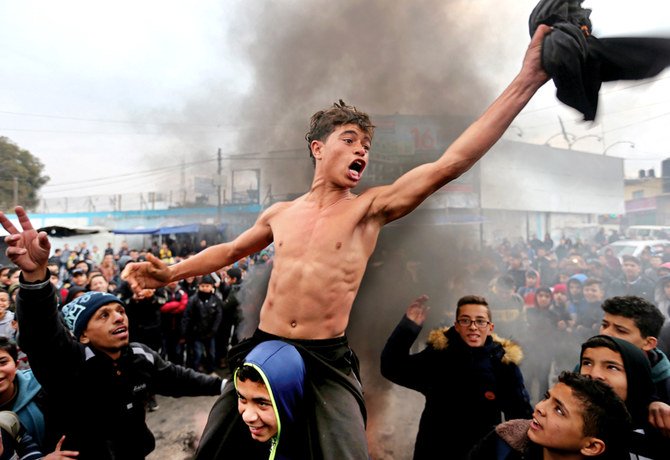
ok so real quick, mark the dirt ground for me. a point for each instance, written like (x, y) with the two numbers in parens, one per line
(177, 426)
(392, 424)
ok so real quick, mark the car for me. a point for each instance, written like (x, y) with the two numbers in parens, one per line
(648, 232)
(634, 247)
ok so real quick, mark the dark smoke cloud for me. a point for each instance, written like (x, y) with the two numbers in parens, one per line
(384, 57)
(296, 57)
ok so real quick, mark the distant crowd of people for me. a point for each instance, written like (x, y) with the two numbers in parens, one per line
(559, 288)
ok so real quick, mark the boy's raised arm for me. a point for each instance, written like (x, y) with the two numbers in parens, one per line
(405, 194)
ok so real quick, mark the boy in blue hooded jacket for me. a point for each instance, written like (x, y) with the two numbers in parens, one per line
(270, 389)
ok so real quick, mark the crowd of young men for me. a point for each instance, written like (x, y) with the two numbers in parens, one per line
(323, 241)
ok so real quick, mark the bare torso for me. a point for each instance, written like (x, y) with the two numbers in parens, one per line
(320, 258)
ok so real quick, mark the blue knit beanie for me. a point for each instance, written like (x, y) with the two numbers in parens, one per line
(78, 312)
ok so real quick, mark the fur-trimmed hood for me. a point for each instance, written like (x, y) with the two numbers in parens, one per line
(514, 433)
(437, 338)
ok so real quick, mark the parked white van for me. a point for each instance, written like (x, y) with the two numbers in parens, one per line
(648, 232)
(634, 247)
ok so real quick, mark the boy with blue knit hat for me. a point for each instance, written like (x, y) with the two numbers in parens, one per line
(97, 381)
(77, 313)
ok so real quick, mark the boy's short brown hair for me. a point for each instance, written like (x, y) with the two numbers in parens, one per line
(10, 347)
(473, 300)
(593, 282)
(324, 122)
(647, 317)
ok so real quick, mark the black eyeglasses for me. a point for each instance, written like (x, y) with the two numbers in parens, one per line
(466, 322)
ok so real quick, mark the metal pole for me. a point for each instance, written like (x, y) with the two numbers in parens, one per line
(16, 191)
(218, 187)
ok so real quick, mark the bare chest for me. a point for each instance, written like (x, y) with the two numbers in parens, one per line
(303, 231)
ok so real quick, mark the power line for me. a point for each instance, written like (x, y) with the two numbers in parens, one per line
(100, 133)
(609, 113)
(96, 133)
(603, 93)
(103, 120)
(638, 122)
(132, 175)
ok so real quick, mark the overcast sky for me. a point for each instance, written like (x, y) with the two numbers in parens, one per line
(110, 95)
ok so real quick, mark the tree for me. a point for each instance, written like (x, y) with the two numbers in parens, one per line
(21, 174)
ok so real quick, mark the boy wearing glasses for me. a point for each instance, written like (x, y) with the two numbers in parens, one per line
(468, 375)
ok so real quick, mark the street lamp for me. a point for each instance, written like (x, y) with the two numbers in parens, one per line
(632, 145)
(571, 139)
(520, 133)
(598, 138)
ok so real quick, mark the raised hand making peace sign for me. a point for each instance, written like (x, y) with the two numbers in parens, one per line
(27, 249)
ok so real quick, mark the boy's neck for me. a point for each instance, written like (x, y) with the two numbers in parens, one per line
(549, 454)
(9, 394)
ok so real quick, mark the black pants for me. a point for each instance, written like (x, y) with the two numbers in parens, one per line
(336, 425)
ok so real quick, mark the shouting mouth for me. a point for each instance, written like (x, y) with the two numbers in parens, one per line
(356, 169)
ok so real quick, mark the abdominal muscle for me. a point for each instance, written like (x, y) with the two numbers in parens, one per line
(310, 300)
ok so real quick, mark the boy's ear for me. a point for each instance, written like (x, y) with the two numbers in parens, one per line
(83, 338)
(593, 448)
(316, 147)
(650, 343)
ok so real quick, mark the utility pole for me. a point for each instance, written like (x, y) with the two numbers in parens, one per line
(218, 187)
(182, 183)
(16, 191)
(565, 134)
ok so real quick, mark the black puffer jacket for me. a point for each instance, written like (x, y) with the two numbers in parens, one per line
(467, 389)
(97, 402)
(202, 316)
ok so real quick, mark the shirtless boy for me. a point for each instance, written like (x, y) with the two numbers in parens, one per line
(323, 241)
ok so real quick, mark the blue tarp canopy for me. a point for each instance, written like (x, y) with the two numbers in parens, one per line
(188, 228)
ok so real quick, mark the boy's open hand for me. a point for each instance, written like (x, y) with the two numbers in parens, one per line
(417, 310)
(27, 249)
(152, 274)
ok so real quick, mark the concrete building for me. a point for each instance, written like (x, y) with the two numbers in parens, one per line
(648, 197)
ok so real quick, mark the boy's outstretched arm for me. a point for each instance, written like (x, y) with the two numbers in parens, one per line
(155, 273)
(27, 249)
(405, 194)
